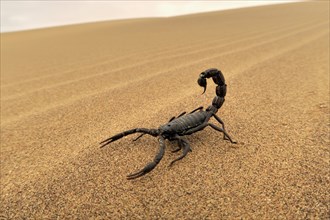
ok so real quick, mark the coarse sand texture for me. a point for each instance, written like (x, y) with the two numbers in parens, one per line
(65, 89)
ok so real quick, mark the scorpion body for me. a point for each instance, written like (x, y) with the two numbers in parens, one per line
(184, 124)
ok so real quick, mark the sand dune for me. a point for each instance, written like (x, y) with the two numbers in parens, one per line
(65, 89)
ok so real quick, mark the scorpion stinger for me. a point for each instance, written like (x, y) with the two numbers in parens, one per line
(202, 82)
(184, 124)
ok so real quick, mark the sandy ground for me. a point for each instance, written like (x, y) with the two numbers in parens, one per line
(65, 89)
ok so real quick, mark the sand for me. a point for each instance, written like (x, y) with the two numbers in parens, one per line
(65, 89)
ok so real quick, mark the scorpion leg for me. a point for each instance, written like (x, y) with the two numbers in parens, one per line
(135, 139)
(199, 108)
(186, 149)
(179, 147)
(172, 119)
(176, 150)
(223, 131)
(181, 114)
(150, 166)
(107, 141)
(177, 117)
(222, 123)
(195, 129)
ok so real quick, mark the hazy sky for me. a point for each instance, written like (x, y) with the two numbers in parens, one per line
(25, 14)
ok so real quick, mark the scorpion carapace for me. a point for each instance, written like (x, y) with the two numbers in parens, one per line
(184, 124)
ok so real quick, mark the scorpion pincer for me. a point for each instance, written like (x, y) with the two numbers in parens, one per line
(184, 124)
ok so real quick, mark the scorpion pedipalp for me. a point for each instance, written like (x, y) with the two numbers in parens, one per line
(107, 141)
(150, 166)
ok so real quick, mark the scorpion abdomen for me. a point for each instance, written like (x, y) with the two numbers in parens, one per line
(182, 124)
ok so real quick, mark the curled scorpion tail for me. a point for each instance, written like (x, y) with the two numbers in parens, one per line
(220, 90)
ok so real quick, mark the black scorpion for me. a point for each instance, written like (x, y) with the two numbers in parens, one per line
(184, 124)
